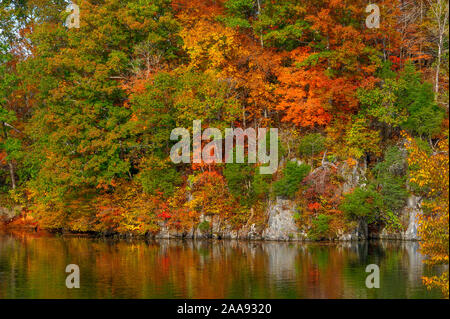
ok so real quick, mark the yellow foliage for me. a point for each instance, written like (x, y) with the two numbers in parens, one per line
(431, 174)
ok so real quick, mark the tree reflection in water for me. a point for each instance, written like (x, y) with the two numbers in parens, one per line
(33, 266)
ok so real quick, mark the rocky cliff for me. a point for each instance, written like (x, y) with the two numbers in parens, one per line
(7, 214)
(281, 225)
(408, 218)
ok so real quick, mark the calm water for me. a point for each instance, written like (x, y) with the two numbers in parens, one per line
(33, 266)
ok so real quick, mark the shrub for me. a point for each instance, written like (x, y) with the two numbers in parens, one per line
(293, 175)
(361, 139)
(390, 174)
(239, 178)
(320, 227)
(312, 144)
(392, 222)
(394, 193)
(260, 184)
(162, 180)
(204, 226)
(362, 204)
(245, 182)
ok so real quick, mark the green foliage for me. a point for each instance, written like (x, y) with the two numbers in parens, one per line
(417, 97)
(261, 184)
(392, 221)
(385, 71)
(406, 102)
(238, 13)
(159, 180)
(277, 24)
(320, 227)
(361, 139)
(204, 226)
(394, 193)
(17, 14)
(243, 8)
(7, 79)
(155, 117)
(423, 145)
(394, 163)
(381, 103)
(363, 204)
(201, 96)
(13, 147)
(293, 175)
(282, 24)
(245, 183)
(391, 175)
(7, 83)
(7, 116)
(82, 134)
(312, 144)
(239, 178)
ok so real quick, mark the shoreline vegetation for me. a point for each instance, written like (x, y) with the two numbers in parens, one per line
(362, 117)
(32, 228)
(13, 220)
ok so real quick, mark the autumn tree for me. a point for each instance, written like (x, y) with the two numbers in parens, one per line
(438, 13)
(318, 79)
(430, 177)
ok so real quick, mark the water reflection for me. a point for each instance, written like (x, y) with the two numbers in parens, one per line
(33, 266)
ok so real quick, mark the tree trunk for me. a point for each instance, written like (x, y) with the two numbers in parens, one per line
(261, 34)
(11, 173)
(438, 67)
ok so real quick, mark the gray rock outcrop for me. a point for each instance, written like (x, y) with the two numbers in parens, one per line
(7, 214)
(281, 223)
(409, 219)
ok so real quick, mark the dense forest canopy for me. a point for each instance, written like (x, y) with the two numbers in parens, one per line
(86, 112)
